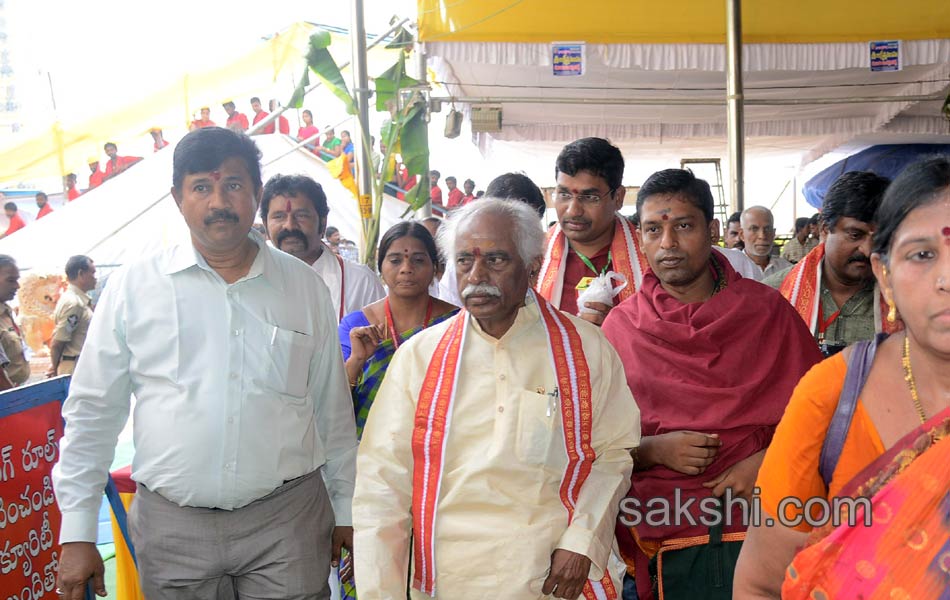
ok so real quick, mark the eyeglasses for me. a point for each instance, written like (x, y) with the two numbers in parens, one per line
(563, 197)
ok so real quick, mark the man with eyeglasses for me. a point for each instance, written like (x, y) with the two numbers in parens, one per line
(758, 234)
(591, 238)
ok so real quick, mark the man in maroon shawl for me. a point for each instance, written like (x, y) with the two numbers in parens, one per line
(710, 383)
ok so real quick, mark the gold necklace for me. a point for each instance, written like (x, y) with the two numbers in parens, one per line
(911, 382)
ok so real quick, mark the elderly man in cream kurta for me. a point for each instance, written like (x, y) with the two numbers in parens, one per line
(501, 438)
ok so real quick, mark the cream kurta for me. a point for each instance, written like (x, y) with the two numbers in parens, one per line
(499, 515)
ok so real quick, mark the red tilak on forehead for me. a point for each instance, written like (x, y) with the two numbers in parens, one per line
(477, 251)
(666, 217)
(290, 207)
(946, 234)
(216, 175)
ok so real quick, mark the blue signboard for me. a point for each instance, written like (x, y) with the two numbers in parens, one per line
(885, 56)
(567, 59)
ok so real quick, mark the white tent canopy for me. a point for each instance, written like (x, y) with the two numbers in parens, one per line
(134, 214)
(658, 100)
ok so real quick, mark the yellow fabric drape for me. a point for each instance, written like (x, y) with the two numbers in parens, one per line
(681, 21)
(65, 147)
(127, 577)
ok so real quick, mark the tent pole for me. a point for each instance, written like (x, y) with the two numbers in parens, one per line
(364, 165)
(734, 113)
(422, 75)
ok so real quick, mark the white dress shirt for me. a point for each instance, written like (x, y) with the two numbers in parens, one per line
(449, 286)
(740, 261)
(239, 387)
(362, 284)
(776, 264)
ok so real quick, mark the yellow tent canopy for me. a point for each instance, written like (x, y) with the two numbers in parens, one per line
(279, 61)
(681, 21)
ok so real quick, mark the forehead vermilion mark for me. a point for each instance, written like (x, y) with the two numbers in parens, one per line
(290, 207)
(945, 231)
(216, 175)
(666, 217)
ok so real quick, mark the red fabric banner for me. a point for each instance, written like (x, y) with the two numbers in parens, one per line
(29, 516)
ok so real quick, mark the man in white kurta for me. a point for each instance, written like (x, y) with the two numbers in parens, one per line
(500, 515)
(352, 285)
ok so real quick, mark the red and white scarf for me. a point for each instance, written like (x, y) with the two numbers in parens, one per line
(434, 417)
(627, 259)
(802, 288)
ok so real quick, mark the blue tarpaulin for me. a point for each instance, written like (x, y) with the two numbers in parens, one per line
(886, 160)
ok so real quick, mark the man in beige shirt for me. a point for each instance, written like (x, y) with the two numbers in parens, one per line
(72, 316)
(16, 367)
(500, 439)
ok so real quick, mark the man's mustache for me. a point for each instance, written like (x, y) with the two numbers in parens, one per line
(859, 258)
(482, 289)
(219, 214)
(286, 234)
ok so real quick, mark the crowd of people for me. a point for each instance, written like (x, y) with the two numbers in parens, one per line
(613, 408)
(454, 197)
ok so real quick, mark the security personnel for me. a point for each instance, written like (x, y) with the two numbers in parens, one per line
(72, 316)
(17, 368)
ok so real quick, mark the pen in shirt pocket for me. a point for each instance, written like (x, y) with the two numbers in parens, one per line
(551, 398)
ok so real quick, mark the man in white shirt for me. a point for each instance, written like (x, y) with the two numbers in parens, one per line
(294, 211)
(242, 409)
(758, 236)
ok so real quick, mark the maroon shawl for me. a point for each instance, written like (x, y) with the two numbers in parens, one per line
(726, 366)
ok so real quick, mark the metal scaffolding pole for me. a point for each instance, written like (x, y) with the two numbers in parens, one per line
(734, 101)
(666, 101)
(361, 149)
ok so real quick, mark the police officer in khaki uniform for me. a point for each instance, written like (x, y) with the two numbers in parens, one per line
(72, 316)
(17, 367)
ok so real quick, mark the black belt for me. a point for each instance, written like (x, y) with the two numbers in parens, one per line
(69, 357)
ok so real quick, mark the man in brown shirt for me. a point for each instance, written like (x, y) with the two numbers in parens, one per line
(72, 316)
(17, 369)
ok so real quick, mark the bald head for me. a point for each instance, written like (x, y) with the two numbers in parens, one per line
(757, 231)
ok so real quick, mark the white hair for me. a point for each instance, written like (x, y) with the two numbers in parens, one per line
(525, 226)
(760, 209)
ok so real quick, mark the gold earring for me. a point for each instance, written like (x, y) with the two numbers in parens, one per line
(891, 312)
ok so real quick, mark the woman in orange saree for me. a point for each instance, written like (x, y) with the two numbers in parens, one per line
(905, 552)
(895, 457)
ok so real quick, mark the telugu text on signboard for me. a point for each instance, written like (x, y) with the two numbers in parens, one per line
(567, 59)
(885, 56)
(29, 516)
